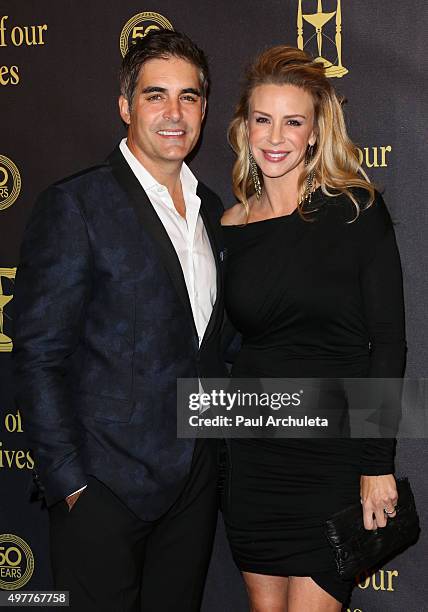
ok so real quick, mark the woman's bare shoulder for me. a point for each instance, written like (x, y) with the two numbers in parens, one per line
(235, 215)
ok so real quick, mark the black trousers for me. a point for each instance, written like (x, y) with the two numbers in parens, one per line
(112, 561)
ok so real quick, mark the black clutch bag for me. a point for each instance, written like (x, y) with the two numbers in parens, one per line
(357, 549)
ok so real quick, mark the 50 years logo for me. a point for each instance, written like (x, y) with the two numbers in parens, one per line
(16, 562)
(139, 26)
(10, 182)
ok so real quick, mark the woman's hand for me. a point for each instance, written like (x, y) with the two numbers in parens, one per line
(378, 493)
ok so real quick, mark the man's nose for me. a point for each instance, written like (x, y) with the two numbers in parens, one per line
(172, 110)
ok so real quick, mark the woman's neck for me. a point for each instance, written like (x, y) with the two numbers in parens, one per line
(279, 196)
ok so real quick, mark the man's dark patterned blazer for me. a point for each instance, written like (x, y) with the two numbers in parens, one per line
(103, 328)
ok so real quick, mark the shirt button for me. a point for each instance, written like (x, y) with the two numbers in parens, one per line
(161, 189)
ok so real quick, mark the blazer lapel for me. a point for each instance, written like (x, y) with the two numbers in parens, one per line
(152, 225)
(208, 223)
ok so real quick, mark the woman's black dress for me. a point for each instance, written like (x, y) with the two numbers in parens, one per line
(319, 298)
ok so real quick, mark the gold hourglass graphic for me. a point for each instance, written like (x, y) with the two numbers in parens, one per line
(318, 20)
(5, 342)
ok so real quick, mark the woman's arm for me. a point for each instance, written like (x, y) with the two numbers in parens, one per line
(383, 302)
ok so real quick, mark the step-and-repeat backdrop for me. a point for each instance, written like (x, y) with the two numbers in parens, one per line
(58, 91)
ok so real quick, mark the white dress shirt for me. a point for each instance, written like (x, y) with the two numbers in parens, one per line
(188, 236)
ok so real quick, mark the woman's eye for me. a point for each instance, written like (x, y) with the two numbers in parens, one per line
(262, 120)
(294, 122)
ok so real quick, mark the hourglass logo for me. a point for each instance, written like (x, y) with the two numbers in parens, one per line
(10, 182)
(5, 341)
(320, 41)
(139, 26)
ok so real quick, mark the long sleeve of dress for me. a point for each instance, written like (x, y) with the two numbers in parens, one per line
(382, 293)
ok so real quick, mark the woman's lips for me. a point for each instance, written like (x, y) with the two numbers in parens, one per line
(275, 156)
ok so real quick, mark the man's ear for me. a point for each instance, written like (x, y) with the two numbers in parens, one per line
(204, 106)
(124, 110)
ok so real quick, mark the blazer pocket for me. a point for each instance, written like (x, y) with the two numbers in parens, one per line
(103, 408)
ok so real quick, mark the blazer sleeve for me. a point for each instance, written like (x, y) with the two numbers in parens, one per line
(52, 285)
(382, 293)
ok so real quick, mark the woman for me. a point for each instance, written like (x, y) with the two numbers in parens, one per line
(314, 286)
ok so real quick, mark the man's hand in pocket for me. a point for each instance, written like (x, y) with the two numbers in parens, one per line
(72, 499)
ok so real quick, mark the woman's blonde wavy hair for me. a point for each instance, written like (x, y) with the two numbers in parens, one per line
(335, 159)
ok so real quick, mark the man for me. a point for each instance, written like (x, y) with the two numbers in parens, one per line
(118, 294)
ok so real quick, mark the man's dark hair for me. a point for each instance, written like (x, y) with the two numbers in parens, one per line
(160, 44)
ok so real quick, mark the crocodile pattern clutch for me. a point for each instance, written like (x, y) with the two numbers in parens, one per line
(358, 549)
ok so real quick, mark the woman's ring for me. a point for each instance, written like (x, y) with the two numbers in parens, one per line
(389, 512)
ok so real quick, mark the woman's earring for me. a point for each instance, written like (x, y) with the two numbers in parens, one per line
(255, 175)
(309, 186)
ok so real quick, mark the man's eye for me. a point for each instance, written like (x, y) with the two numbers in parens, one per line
(189, 98)
(154, 97)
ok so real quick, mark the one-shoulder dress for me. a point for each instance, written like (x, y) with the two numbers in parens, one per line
(312, 299)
